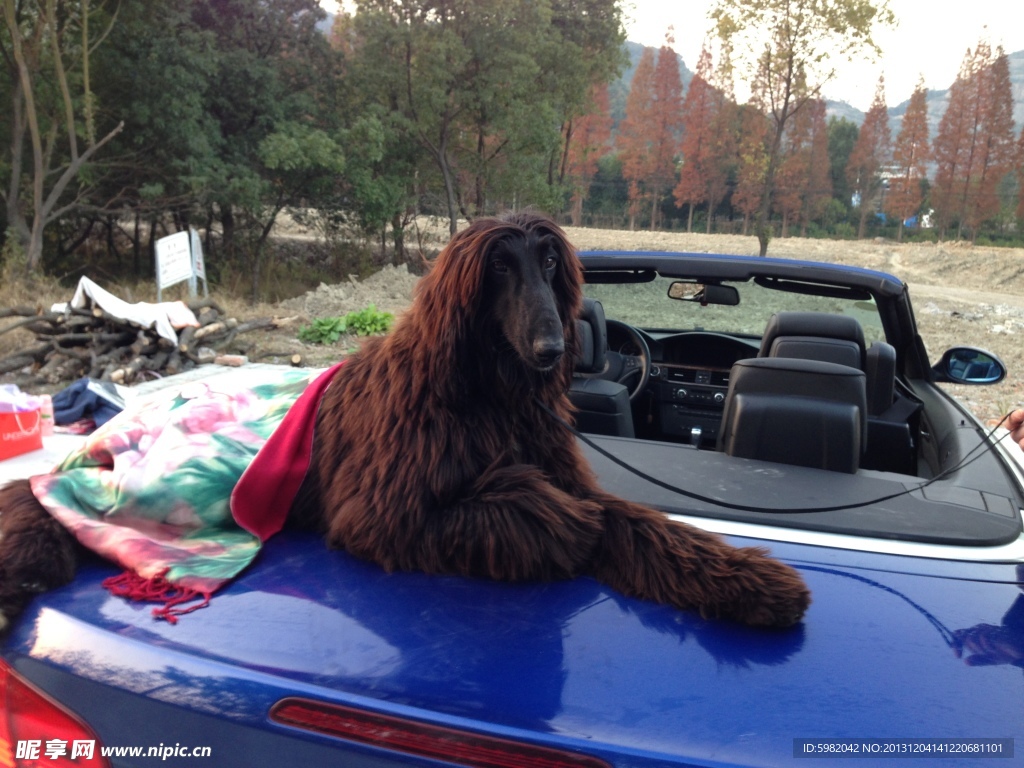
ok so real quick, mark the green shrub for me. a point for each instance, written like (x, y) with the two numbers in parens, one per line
(365, 322)
(369, 321)
(845, 231)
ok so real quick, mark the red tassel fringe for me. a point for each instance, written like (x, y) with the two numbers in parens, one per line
(157, 589)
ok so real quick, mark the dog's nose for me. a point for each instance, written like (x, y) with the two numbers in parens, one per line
(547, 351)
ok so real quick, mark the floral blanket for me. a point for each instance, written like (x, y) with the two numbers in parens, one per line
(157, 489)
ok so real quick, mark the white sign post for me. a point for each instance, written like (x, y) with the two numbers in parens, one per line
(198, 266)
(180, 257)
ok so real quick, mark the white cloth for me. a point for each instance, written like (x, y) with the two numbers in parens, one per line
(163, 317)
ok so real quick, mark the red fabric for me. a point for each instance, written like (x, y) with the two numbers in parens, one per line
(157, 590)
(264, 494)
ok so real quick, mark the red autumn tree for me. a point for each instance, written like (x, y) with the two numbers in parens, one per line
(666, 125)
(996, 144)
(1020, 178)
(803, 185)
(910, 156)
(752, 154)
(951, 149)
(793, 166)
(722, 159)
(588, 138)
(817, 190)
(698, 124)
(709, 137)
(634, 138)
(973, 150)
(869, 154)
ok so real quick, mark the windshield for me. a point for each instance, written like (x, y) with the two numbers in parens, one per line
(648, 306)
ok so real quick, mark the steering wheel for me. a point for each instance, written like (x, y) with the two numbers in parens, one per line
(624, 367)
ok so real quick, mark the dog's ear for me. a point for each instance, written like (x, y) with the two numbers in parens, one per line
(453, 284)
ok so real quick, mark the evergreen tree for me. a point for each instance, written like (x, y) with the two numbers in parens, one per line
(842, 135)
(487, 88)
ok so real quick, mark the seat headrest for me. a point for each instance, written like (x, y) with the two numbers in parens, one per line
(815, 336)
(593, 337)
(880, 367)
(799, 378)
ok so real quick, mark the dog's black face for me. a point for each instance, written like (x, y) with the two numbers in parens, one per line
(520, 288)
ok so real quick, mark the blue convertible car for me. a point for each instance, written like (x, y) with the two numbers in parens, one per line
(785, 404)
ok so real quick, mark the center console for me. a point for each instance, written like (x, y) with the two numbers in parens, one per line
(690, 402)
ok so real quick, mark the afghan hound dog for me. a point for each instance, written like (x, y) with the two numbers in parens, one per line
(433, 451)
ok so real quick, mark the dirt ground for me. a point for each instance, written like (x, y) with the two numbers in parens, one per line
(962, 294)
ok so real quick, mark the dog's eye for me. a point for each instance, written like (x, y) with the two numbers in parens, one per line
(550, 262)
(499, 266)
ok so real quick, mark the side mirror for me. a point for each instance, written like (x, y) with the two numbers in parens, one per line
(704, 294)
(969, 365)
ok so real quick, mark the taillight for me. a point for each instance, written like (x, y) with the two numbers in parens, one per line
(37, 731)
(422, 739)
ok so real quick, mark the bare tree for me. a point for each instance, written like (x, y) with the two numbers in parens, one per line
(48, 52)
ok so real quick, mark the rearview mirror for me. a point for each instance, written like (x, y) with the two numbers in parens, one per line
(704, 294)
(969, 365)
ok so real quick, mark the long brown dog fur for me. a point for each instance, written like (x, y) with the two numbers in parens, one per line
(432, 454)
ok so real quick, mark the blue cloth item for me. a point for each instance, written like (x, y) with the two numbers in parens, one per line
(86, 399)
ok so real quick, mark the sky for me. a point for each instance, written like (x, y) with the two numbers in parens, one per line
(928, 40)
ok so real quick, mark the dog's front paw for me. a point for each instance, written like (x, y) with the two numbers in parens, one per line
(765, 592)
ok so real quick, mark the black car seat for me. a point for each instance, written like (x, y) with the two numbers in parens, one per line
(794, 411)
(602, 407)
(840, 339)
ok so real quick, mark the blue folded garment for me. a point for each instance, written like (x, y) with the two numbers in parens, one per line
(87, 398)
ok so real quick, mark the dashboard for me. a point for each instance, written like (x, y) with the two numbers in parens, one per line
(689, 378)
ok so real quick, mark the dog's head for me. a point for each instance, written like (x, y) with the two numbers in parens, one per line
(512, 282)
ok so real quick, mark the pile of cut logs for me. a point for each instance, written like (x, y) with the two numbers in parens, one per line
(90, 342)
